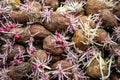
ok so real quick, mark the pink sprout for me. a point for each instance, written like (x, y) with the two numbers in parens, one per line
(61, 73)
(73, 25)
(25, 7)
(4, 58)
(46, 14)
(4, 74)
(117, 33)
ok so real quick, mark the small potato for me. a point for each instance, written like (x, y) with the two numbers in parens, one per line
(52, 3)
(23, 33)
(101, 35)
(39, 30)
(57, 23)
(15, 51)
(116, 10)
(93, 69)
(49, 45)
(93, 6)
(65, 64)
(118, 63)
(78, 39)
(40, 54)
(20, 17)
(20, 71)
(108, 19)
(35, 8)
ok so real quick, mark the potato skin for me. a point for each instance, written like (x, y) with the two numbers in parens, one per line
(108, 19)
(93, 6)
(42, 32)
(53, 3)
(57, 23)
(101, 35)
(20, 17)
(116, 10)
(18, 72)
(78, 39)
(93, 69)
(49, 45)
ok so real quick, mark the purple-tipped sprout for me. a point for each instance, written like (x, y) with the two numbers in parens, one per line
(108, 42)
(117, 33)
(31, 49)
(3, 58)
(78, 73)
(39, 66)
(44, 76)
(46, 14)
(19, 57)
(25, 8)
(61, 41)
(4, 74)
(73, 24)
(61, 73)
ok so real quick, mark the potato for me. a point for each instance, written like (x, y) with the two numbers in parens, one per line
(35, 8)
(56, 58)
(15, 51)
(42, 32)
(108, 19)
(22, 32)
(116, 10)
(84, 20)
(93, 6)
(20, 17)
(52, 3)
(20, 71)
(78, 39)
(93, 69)
(101, 35)
(40, 54)
(65, 64)
(49, 45)
(57, 23)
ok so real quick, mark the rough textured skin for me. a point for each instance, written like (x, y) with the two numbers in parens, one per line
(57, 23)
(93, 69)
(101, 35)
(18, 72)
(116, 10)
(40, 54)
(20, 17)
(49, 45)
(42, 32)
(108, 19)
(53, 3)
(93, 6)
(78, 39)
(64, 64)
(24, 33)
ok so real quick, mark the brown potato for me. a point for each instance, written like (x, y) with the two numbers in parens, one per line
(52, 3)
(57, 23)
(118, 63)
(93, 69)
(65, 64)
(116, 10)
(20, 71)
(56, 58)
(42, 32)
(22, 32)
(20, 17)
(108, 19)
(78, 39)
(49, 45)
(93, 6)
(101, 35)
(40, 54)
(35, 8)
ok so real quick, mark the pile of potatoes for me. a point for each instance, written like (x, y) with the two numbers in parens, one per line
(31, 32)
